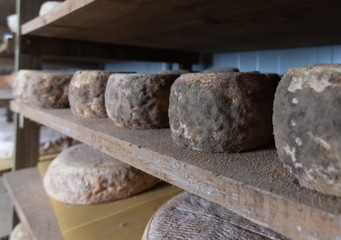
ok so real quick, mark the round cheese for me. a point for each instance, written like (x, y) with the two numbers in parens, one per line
(86, 93)
(83, 175)
(139, 101)
(189, 217)
(223, 112)
(307, 125)
(20, 233)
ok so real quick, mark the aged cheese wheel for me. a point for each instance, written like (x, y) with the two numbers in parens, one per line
(221, 70)
(82, 175)
(139, 101)
(49, 89)
(44, 88)
(49, 6)
(187, 216)
(86, 93)
(307, 125)
(223, 112)
(20, 233)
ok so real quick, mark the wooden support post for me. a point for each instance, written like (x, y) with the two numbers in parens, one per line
(26, 148)
(26, 132)
(26, 142)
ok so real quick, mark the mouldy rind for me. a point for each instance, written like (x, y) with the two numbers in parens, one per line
(307, 125)
(226, 112)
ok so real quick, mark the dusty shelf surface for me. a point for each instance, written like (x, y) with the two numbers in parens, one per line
(253, 184)
(194, 25)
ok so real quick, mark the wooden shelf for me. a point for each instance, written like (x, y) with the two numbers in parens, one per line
(194, 25)
(49, 219)
(253, 184)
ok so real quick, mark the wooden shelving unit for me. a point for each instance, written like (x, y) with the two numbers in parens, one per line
(253, 184)
(194, 25)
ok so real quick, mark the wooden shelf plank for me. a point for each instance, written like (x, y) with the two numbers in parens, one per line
(253, 184)
(32, 205)
(194, 25)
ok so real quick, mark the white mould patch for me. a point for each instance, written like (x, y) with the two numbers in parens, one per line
(298, 141)
(185, 131)
(311, 178)
(235, 197)
(294, 100)
(330, 181)
(331, 168)
(79, 82)
(298, 165)
(323, 143)
(290, 152)
(289, 169)
(311, 81)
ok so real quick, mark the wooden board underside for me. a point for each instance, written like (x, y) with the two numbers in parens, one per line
(253, 184)
(195, 25)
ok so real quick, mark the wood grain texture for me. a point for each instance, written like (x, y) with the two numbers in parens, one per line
(31, 201)
(196, 25)
(252, 184)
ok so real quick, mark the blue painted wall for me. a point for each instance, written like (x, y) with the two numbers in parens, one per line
(278, 61)
(270, 61)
